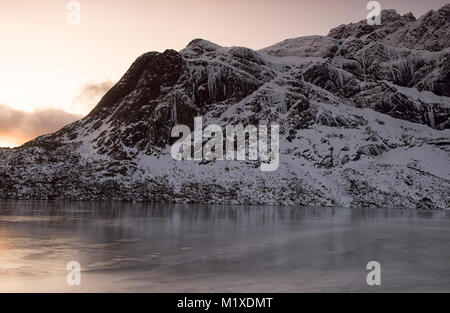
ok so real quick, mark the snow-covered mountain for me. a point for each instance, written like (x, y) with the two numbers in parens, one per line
(364, 117)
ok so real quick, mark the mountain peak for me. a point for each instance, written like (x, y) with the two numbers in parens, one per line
(389, 19)
(429, 32)
(201, 45)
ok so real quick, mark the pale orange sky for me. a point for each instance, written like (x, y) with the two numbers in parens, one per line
(44, 63)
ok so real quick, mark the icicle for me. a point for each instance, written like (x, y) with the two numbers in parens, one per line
(193, 85)
(211, 82)
(174, 111)
(341, 78)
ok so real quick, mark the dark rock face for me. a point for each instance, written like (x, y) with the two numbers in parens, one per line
(357, 109)
(430, 32)
(391, 21)
(134, 101)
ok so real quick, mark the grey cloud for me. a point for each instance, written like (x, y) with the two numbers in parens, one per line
(90, 95)
(25, 125)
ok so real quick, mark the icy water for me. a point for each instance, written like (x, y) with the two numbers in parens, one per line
(193, 248)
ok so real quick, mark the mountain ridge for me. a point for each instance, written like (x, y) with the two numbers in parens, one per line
(364, 122)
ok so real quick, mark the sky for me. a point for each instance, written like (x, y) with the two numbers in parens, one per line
(53, 72)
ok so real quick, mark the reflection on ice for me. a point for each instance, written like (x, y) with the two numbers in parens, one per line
(157, 248)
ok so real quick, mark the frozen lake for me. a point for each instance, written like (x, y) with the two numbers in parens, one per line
(202, 248)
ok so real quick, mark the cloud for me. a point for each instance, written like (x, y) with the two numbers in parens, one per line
(23, 126)
(18, 127)
(90, 95)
